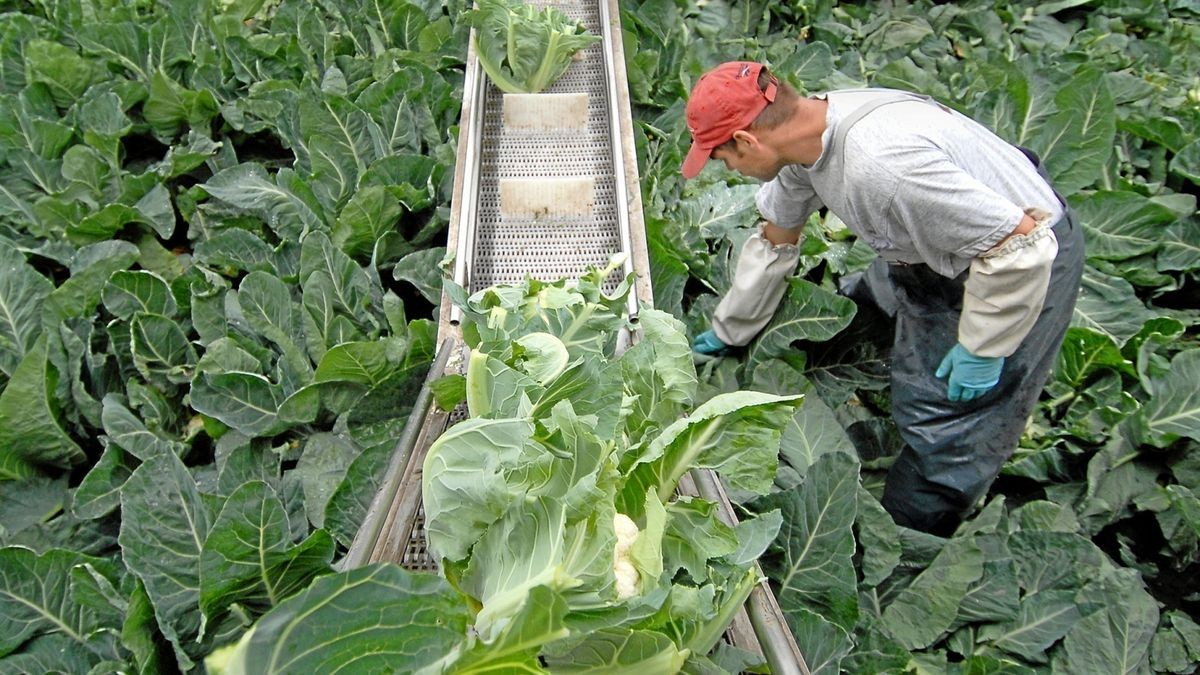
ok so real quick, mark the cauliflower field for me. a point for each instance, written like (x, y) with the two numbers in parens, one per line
(221, 223)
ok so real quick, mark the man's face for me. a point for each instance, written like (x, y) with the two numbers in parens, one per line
(753, 159)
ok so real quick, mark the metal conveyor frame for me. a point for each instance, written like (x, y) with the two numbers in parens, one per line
(393, 527)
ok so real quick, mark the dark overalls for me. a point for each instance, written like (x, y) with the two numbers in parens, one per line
(954, 451)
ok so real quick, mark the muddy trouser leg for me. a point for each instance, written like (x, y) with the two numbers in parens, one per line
(955, 450)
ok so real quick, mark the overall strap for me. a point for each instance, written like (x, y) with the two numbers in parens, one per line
(887, 97)
(867, 108)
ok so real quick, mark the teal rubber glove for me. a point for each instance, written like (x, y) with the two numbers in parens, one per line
(970, 376)
(708, 344)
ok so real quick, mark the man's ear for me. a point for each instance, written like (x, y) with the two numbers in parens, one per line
(745, 139)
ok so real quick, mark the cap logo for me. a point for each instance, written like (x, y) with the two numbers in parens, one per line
(743, 72)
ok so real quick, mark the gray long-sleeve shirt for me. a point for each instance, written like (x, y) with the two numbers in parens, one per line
(919, 183)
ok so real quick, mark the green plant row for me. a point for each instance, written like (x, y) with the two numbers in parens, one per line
(220, 229)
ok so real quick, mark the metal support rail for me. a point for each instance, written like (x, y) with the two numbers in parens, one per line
(614, 127)
(774, 637)
(473, 89)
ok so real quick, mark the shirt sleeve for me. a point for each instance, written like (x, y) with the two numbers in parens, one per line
(947, 212)
(788, 199)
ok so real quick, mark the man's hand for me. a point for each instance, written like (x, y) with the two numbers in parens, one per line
(708, 344)
(970, 376)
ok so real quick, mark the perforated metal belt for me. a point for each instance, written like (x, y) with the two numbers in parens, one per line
(498, 248)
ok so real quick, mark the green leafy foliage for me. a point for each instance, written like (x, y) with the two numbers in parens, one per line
(1089, 562)
(553, 510)
(296, 637)
(205, 358)
(520, 500)
(39, 597)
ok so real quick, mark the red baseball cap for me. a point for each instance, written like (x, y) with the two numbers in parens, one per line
(726, 99)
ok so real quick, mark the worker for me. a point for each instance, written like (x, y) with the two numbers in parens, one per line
(979, 261)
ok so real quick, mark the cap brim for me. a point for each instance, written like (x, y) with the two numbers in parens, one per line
(696, 158)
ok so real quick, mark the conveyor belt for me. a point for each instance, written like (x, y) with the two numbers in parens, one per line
(492, 247)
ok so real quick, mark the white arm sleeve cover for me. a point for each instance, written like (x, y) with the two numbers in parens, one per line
(759, 282)
(1005, 291)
